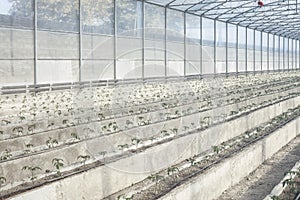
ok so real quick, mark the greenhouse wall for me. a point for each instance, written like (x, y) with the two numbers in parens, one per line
(85, 40)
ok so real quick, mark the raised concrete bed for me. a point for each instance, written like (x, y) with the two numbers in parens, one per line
(214, 181)
(63, 134)
(110, 143)
(105, 180)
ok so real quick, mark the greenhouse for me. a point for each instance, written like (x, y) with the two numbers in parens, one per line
(149, 99)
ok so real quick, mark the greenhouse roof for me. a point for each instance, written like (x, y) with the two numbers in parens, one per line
(278, 17)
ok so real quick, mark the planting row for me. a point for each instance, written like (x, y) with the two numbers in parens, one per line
(63, 103)
(190, 119)
(158, 184)
(170, 110)
(79, 154)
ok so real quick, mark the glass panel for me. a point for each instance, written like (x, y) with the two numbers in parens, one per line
(97, 47)
(264, 51)
(97, 70)
(58, 41)
(231, 48)
(208, 46)
(98, 16)
(154, 41)
(208, 31)
(154, 68)
(193, 47)
(276, 55)
(98, 54)
(129, 42)
(271, 54)
(129, 55)
(154, 22)
(16, 72)
(17, 13)
(16, 44)
(57, 45)
(258, 51)
(175, 26)
(98, 50)
(129, 18)
(60, 15)
(250, 52)
(281, 53)
(221, 47)
(285, 53)
(193, 68)
(57, 71)
(290, 64)
(241, 51)
(208, 60)
(175, 43)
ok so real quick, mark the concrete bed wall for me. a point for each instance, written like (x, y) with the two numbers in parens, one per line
(109, 143)
(105, 180)
(63, 134)
(234, 169)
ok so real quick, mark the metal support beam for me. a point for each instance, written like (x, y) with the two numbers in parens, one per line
(237, 50)
(292, 52)
(288, 53)
(246, 51)
(295, 53)
(215, 46)
(35, 45)
(283, 54)
(268, 53)
(184, 59)
(80, 41)
(254, 47)
(226, 43)
(115, 39)
(273, 52)
(261, 51)
(201, 48)
(279, 53)
(166, 32)
(143, 40)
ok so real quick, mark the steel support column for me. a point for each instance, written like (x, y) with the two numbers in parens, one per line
(215, 47)
(184, 59)
(201, 48)
(143, 40)
(284, 54)
(268, 53)
(279, 53)
(35, 45)
(80, 41)
(254, 47)
(273, 52)
(166, 32)
(115, 39)
(261, 52)
(226, 47)
(237, 50)
(246, 51)
(288, 54)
